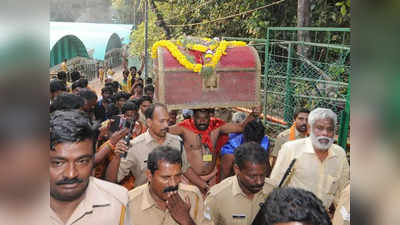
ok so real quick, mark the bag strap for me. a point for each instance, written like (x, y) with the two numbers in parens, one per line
(260, 219)
(287, 172)
(122, 217)
(181, 149)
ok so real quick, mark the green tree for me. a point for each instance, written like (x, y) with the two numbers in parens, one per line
(254, 24)
(128, 11)
(137, 37)
(164, 13)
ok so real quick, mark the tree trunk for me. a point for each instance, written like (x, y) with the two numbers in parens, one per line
(303, 20)
(160, 19)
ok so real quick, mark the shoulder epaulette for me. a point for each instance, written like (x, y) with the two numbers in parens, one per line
(118, 192)
(222, 186)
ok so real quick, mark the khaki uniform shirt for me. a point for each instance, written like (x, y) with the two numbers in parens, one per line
(325, 179)
(136, 159)
(282, 138)
(342, 213)
(145, 211)
(104, 203)
(227, 204)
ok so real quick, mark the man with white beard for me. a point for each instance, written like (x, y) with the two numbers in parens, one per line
(320, 166)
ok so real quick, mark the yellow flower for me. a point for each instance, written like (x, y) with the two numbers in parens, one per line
(197, 68)
(208, 56)
(181, 58)
(214, 46)
(200, 48)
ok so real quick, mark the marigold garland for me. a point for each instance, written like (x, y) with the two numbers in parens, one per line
(208, 56)
(197, 47)
(182, 59)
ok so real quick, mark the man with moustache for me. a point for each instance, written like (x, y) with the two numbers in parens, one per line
(164, 200)
(321, 166)
(141, 146)
(76, 197)
(172, 117)
(236, 200)
(144, 103)
(201, 135)
(296, 131)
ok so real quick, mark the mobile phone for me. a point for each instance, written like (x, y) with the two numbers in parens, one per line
(115, 124)
(128, 124)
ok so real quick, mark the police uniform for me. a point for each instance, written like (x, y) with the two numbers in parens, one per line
(226, 203)
(145, 211)
(104, 203)
(136, 159)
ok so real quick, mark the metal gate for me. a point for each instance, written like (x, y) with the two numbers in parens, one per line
(304, 67)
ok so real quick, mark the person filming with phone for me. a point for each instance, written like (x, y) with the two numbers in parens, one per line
(141, 146)
(120, 127)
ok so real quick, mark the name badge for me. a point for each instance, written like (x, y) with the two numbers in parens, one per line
(238, 216)
(207, 158)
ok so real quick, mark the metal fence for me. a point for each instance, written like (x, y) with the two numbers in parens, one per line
(88, 70)
(304, 67)
(87, 67)
(113, 58)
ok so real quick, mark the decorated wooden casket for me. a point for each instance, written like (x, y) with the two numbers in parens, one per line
(234, 81)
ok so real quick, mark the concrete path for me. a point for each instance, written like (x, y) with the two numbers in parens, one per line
(96, 85)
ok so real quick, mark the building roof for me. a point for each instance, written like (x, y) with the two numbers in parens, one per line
(94, 36)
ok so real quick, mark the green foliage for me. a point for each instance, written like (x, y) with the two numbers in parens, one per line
(128, 11)
(325, 13)
(344, 5)
(137, 37)
(331, 13)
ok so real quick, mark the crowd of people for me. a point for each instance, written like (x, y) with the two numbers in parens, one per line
(124, 158)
